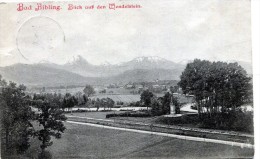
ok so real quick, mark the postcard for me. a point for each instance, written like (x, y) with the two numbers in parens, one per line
(126, 79)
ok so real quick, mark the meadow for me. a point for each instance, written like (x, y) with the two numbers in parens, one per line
(80, 141)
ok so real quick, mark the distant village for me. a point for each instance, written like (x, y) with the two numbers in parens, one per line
(156, 86)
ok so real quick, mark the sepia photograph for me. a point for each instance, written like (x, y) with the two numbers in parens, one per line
(120, 79)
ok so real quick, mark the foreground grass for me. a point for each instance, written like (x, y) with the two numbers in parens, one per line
(90, 142)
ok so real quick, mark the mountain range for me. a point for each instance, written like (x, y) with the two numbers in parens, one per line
(79, 71)
(81, 66)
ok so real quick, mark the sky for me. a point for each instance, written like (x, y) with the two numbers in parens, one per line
(177, 30)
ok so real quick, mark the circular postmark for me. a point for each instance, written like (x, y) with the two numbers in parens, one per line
(38, 37)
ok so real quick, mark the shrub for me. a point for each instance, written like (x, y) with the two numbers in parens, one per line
(185, 119)
(232, 121)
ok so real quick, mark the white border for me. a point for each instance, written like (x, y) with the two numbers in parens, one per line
(255, 5)
(255, 8)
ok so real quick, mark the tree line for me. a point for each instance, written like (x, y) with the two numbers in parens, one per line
(219, 89)
(19, 123)
(216, 86)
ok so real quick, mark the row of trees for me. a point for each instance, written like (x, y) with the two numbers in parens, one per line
(217, 86)
(82, 99)
(219, 89)
(19, 123)
(104, 102)
(69, 101)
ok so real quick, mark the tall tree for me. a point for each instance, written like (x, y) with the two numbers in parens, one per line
(80, 98)
(97, 103)
(89, 90)
(157, 108)
(50, 120)
(16, 116)
(166, 100)
(146, 98)
(69, 101)
(175, 101)
(104, 103)
(85, 99)
(110, 103)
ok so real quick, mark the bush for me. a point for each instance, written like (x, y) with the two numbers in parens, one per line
(185, 119)
(232, 121)
(235, 121)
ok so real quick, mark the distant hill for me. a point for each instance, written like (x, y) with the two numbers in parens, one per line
(82, 67)
(139, 75)
(38, 75)
(79, 71)
(41, 75)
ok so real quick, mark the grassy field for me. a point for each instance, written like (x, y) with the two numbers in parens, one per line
(90, 142)
(128, 98)
(119, 94)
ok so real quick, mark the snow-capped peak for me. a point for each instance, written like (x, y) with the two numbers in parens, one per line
(155, 59)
